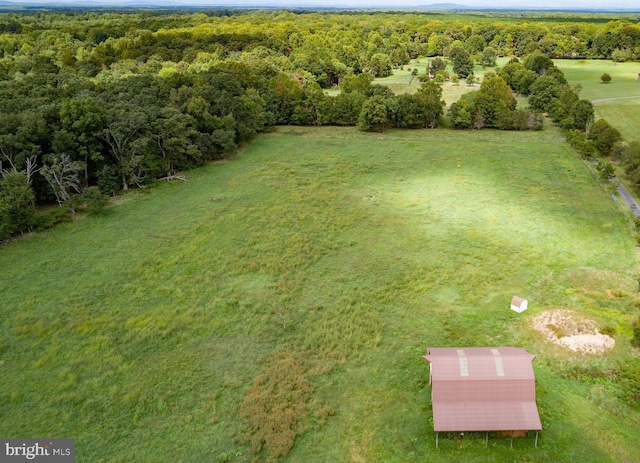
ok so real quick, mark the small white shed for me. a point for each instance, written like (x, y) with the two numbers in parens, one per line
(519, 304)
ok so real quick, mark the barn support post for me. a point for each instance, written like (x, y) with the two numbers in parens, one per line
(437, 440)
(486, 440)
(536, 445)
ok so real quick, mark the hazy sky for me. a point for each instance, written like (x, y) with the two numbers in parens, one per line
(514, 4)
(473, 3)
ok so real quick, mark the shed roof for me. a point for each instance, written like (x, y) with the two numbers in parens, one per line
(479, 363)
(483, 389)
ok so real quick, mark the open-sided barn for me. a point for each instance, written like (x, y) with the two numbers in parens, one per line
(483, 389)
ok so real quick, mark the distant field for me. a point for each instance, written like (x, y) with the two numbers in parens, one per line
(140, 333)
(622, 113)
(624, 77)
(403, 82)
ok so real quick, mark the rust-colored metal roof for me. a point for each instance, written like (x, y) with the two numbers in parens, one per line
(483, 389)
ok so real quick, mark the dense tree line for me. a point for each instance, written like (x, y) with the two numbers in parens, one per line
(105, 101)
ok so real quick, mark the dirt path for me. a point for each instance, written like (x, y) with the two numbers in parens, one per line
(613, 99)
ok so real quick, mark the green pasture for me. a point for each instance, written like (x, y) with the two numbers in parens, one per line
(401, 81)
(624, 77)
(139, 333)
(618, 101)
(624, 115)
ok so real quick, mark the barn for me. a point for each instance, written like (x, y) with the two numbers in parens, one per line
(482, 389)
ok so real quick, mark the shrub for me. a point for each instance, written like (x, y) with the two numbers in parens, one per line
(461, 113)
(630, 379)
(525, 119)
(605, 78)
(441, 76)
(17, 210)
(605, 169)
(51, 219)
(470, 80)
(109, 180)
(635, 341)
(93, 199)
(619, 55)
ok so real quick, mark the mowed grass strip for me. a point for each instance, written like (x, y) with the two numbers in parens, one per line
(140, 333)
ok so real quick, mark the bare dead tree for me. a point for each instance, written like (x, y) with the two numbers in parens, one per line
(31, 167)
(63, 175)
(31, 164)
(8, 158)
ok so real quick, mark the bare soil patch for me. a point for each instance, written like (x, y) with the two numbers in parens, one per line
(573, 331)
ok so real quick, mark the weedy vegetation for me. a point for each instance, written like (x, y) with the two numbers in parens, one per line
(276, 306)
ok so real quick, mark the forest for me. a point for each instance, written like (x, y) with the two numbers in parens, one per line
(95, 103)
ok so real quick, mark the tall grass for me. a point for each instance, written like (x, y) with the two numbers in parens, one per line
(141, 333)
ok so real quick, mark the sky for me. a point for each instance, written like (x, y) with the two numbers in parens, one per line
(388, 4)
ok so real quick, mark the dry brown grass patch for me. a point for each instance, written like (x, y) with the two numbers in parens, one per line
(275, 408)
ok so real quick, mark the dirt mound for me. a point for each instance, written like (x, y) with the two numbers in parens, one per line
(568, 329)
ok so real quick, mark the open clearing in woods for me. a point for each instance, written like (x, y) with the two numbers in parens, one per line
(621, 111)
(338, 256)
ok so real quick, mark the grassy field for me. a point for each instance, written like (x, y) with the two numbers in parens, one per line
(624, 115)
(624, 77)
(401, 81)
(331, 258)
(622, 112)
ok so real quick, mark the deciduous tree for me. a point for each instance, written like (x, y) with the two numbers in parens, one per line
(374, 116)
(17, 204)
(462, 63)
(489, 57)
(125, 123)
(542, 92)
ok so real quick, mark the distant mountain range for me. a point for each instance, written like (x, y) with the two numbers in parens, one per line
(443, 6)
